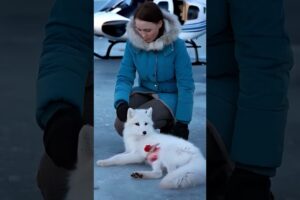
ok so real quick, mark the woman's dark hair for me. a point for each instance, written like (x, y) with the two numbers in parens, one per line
(150, 12)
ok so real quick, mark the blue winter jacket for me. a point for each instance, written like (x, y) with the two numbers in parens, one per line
(163, 68)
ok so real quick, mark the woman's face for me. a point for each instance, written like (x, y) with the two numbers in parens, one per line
(147, 30)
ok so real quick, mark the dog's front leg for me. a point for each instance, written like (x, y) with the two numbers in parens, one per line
(121, 159)
(155, 173)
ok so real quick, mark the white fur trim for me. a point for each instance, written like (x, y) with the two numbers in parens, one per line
(172, 29)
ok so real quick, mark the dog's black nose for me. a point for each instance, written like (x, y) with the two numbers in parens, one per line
(144, 132)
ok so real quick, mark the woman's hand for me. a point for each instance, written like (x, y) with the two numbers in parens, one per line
(122, 111)
(181, 130)
(61, 137)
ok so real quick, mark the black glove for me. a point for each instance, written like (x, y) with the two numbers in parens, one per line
(244, 184)
(61, 137)
(122, 111)
(181, 130)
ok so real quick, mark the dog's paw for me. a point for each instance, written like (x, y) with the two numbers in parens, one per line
(137, 175)
(102, 163)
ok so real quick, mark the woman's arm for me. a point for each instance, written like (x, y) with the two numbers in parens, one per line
(185, 83)
(66, 58)
(125, 77)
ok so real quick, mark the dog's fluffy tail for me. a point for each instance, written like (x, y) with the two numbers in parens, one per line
(189, 175)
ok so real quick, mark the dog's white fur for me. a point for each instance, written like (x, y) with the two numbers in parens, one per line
(185, 164)
(81, 179)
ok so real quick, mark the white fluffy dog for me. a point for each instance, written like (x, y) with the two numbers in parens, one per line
(184, 163)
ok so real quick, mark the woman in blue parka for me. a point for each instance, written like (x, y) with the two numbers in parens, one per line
(165, 79)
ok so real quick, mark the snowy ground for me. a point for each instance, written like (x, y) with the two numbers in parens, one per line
(114, 183)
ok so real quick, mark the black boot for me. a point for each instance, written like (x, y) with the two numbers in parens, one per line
(247, 185)
(219, 166)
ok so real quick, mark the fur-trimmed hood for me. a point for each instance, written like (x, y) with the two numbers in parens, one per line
(172, 29)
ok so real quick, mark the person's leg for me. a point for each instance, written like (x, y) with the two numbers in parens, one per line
(119, 126)
(161, 115)
(219, 165)
(52, 180)
(138, 99)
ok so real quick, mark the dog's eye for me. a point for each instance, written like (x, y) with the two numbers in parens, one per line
(137, 124)
(146, 123)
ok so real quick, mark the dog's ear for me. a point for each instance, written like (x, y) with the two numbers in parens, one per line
(130, 113)
(149, 112)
